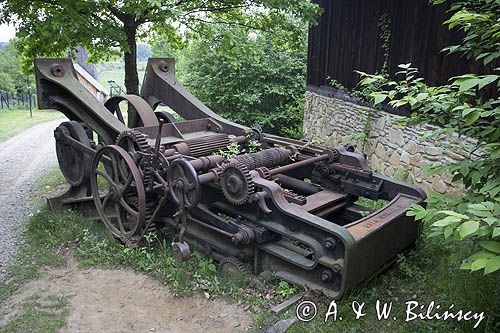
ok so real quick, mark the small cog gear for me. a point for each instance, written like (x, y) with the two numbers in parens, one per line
(263, 173)
(231, 266)
(236, 183)
(256, 132)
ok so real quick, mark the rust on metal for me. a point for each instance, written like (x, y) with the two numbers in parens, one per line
(288, 209)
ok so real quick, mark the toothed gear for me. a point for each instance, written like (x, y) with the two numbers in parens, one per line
(136, 144)
(231, 265)
(218, 173)
(256, 132)
(263, 172)
(236, 183)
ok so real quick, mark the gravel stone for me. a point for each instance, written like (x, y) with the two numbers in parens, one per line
(23, 159)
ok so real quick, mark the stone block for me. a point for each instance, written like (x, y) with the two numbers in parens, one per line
(381, 152)
(433, 151)
(453, 155)
(439, 185)
(411, 147)
(405, 157)
(395, 158)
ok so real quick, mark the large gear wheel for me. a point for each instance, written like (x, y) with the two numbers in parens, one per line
(236, 183)
(135, 143)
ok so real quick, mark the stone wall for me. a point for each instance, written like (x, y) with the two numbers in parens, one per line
(392, 150)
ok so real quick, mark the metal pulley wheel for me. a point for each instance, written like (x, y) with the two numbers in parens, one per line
(183, 181)
(167, 117)
(139, 112)
(118, 192)
(74, 163)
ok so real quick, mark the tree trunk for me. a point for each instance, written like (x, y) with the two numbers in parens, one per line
(131, 76)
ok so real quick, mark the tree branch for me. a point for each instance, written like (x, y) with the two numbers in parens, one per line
(213, 9)
(119, 15)
(226, 22)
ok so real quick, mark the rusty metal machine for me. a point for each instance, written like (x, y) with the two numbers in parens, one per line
(283, 206)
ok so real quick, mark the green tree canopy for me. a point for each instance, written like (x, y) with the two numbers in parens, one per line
(106, 28)
(10, 69)
(248, 77)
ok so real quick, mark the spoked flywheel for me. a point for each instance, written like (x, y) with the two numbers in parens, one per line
(118, 192)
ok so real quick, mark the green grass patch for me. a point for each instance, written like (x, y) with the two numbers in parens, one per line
(117, 75)
(39, 314)
(15, 121)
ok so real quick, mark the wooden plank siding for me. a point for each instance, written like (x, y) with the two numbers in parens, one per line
(347, 39)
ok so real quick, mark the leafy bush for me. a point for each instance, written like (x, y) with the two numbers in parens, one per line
(6, 82)
(460, 108)
(248, 77)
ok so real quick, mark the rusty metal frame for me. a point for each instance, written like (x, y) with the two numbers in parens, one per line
(257, 207)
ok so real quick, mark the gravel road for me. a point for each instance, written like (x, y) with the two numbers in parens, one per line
(23, 159)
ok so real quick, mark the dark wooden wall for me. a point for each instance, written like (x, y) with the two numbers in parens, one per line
(347, 39)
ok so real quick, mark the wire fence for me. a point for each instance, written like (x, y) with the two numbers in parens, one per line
(12, 100)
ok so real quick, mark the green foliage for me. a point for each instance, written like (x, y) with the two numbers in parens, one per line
(478, 19)
(6, 82)
(248, 78)
(384, 25)
(285, 289)
(478, 222)
(11, 79)
(162, 48)
(460, 109)
(232, 150)
(107, 29)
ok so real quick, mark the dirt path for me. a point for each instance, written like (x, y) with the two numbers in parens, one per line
(99, 300)
(120, 300)
(23, 159)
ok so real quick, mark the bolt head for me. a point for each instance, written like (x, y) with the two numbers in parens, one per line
(162, 65)
(57, 70)
(326, 276)
(329, 244)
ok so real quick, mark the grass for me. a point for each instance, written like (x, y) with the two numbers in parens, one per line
(117, 75)
(39, 314)
(15, 121)
(427, 273)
